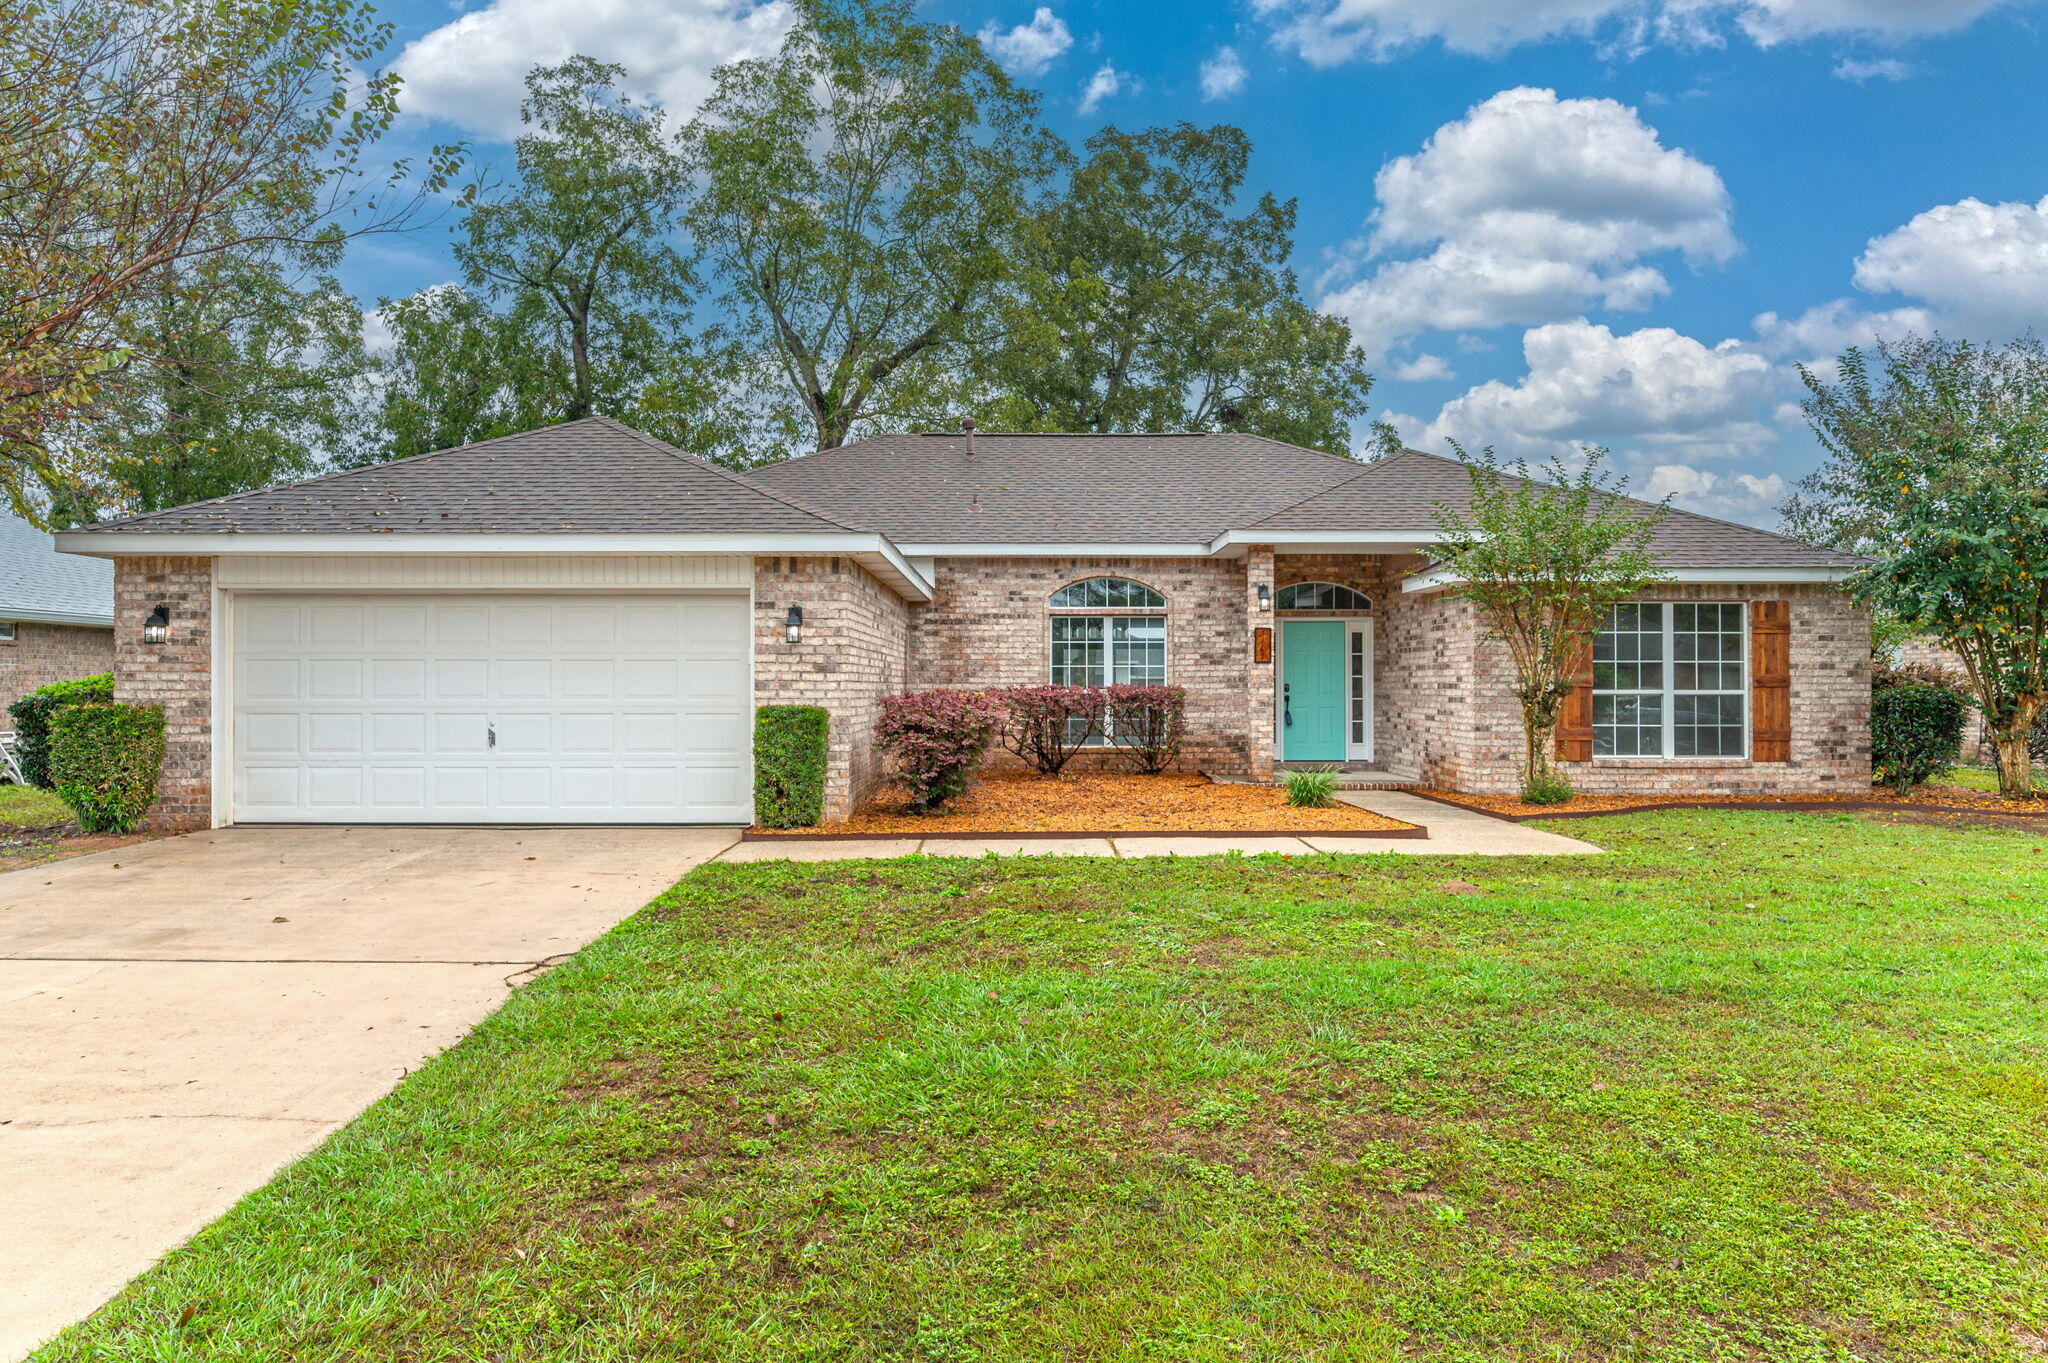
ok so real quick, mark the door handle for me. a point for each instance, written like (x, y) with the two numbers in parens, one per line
(1286, 704)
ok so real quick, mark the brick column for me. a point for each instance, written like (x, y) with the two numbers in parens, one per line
(176, 674)
(1258, 691)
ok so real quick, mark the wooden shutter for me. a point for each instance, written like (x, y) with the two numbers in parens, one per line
(1575, 720)
(1770, 681)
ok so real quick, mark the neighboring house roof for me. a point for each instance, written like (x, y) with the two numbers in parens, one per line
(1071, 489)
(586, 477)
(38, 583)
(1401, 491)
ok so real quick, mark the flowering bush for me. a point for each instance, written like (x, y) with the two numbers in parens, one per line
(1148, 723)
(939, 739)
(1047, 725)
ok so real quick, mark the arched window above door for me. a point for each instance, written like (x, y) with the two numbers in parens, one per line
(1322, 596)
(1107, 593)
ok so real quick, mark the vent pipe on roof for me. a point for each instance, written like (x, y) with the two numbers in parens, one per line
(967, 429)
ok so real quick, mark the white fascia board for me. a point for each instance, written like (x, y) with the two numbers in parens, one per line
(1361, 541)
(1196, 549)
(874, 552)
(30, 615)
(1437, 581)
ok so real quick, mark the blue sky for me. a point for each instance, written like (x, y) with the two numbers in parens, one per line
(1550, 221)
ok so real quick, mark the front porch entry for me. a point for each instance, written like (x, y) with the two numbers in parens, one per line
(1324, 690)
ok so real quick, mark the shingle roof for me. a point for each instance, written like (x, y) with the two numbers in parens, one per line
(38, 583)
(1074, 489)
(1400, 491)
(593, 476)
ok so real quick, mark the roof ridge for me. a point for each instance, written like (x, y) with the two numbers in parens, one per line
(663, 447)
(338, 474)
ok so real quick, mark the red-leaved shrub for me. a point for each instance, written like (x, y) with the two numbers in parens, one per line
(1047, 725)
(939, 739)
(1148, 723)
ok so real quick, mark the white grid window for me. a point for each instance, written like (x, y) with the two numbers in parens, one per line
(1668, 681)
(1357, 688)
(1108, 650)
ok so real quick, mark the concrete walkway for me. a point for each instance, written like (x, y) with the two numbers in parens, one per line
(180, 1019)
(1452, 832)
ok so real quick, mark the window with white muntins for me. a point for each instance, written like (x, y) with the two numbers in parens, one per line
(1108, 647)
(1670, 679)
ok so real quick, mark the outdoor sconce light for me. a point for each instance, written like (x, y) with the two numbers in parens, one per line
(157, 628)
(794, 625)
(1265, 597)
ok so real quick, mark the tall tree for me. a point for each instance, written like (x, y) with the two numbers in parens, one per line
(1543, 562)
(136, 137)
(1937, 467)
(1145, 301)
(859, 197)
(578, 293)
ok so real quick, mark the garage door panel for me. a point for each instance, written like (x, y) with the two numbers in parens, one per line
(606, 709)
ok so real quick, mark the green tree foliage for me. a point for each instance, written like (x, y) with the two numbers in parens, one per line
(577, 296)
(137, 140)
(1937, 467)
(1144, 301)
(1543, 562)
(860, 196)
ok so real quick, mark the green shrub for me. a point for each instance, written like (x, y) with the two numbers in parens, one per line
(34, 711)
(1550, 787)
(105, 760)
(1916, 732)
(790, 744)
(1315, 788)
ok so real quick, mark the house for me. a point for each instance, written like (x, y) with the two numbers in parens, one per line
(56, 613)
(575, 624)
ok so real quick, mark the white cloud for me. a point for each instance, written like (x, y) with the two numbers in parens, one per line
(1106, 83)
(1824, 331)
(1327, 32)
(1536, 208)
(1422, 369)
(1734, 496)
(1983, 267)
(1222, 75)
(1883, 68)
(1028, 49)
(471, 71)
(1653, 387)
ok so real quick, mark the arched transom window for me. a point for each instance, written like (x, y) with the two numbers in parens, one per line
(1322, 596)
(1107, 593)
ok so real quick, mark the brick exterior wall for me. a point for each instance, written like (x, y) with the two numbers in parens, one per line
(854, 650)
(40, 653)
(1927, 653)
(988, 625)
(176, 674)
(1830, 703)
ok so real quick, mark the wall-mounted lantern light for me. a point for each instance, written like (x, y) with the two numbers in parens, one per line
(157, 628)
(794, 625)
(1265, 597)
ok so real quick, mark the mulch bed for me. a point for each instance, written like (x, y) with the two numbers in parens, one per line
(1956, 804)
(1105, 804)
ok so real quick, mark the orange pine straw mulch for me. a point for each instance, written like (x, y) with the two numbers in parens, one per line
(1103, 802)
(1926, 797)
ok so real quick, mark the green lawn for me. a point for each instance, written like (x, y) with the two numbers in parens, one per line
(1755, 1086)
(27, 807)
(1976, 778)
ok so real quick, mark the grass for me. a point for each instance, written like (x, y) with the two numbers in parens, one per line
(1976, 778)
(1753, 1086)
(28, 807)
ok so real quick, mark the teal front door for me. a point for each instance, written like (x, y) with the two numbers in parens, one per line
(1312, 691)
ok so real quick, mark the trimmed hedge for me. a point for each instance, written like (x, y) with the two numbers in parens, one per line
(1916, 732)
(106, 760)
(34, 711)
(790, 746)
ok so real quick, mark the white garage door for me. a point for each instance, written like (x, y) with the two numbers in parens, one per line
(489, 709)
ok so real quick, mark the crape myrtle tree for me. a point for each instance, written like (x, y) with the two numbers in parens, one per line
(138, 139)
(1543, 562)
(1937, 468)
(859, 196)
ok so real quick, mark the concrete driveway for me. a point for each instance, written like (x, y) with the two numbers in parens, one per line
(180, 1019)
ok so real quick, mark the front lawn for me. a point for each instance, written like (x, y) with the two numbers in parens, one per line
(28, 807)
(1753, 1086)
